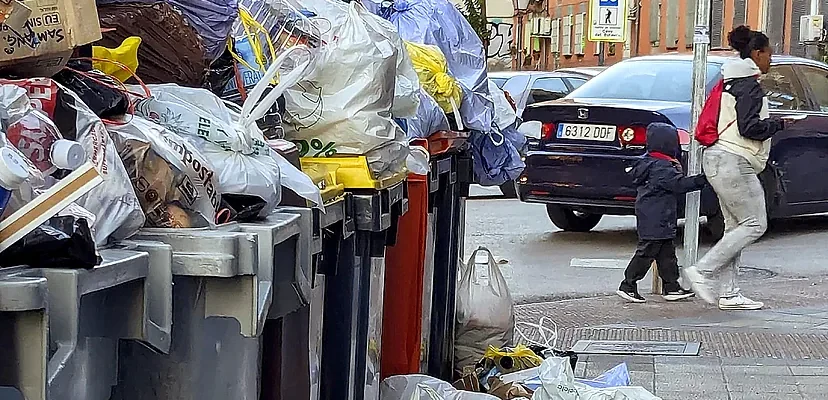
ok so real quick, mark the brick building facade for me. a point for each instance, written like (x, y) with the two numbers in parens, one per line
(552, 34)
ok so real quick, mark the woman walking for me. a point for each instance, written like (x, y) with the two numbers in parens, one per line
(732, 166)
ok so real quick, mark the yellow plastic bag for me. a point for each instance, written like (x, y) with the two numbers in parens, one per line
(511, 360)
(126, 54)
(431, 67)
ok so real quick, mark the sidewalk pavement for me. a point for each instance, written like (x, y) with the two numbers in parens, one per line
(777, 353)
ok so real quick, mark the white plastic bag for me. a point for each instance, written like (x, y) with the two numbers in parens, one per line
(421, 387)
(230, 139)
(558, 383)
(116, 207)
(344, 105)
(557, 380)
(176, 184)
(485, 313)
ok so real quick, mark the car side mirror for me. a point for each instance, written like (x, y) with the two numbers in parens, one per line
(531, 129)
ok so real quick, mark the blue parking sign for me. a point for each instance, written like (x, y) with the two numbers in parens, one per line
(608, 3)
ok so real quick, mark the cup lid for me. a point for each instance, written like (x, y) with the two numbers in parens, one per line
(13, 170)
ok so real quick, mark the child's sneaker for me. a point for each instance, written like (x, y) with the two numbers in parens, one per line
(630, 295)
(677, 295)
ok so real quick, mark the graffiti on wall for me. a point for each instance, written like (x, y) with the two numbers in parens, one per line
(500, 39)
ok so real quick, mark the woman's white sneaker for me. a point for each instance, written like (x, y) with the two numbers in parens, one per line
(700, 285)
(739, 302)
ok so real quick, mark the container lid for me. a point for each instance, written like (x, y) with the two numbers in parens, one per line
(68, 154)
(13, 170)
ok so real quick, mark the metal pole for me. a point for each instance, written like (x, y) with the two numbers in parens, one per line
(601, 47)
(701, 46)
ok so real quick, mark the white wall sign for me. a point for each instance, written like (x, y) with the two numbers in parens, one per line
(608, 20)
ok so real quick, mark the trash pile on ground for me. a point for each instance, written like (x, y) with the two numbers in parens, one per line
(166, 115)
(498, 359)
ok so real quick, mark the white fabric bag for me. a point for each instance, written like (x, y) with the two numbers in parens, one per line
(421, 387)
(485, 313)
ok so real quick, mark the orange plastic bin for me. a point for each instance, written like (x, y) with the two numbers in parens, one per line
(402, 308)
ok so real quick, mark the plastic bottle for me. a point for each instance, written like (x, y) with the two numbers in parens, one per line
(13, 173)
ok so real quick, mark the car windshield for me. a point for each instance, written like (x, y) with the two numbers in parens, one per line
(659, 80)
(499, 81)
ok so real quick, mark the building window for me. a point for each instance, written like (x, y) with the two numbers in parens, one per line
(566, 36)
(579, 34)
(555, 36)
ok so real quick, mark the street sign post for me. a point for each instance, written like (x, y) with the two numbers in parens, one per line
(701, 46)
(608, 20)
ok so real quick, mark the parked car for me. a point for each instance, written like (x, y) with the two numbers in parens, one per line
(582, 178)
(529, 87)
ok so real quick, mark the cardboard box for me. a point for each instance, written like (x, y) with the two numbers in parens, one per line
(45, 42)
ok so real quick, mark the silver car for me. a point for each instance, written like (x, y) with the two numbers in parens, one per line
(527, 87)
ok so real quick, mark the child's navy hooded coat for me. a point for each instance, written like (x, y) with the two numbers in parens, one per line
(659, 180)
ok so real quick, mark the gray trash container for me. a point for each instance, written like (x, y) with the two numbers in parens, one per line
(223, 292)
(23, 339)
(91, 311)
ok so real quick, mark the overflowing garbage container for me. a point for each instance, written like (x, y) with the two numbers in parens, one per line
(199, 200)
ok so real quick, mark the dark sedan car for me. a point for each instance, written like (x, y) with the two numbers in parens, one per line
(578, 166)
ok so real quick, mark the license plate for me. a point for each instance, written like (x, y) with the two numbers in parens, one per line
(600, 133)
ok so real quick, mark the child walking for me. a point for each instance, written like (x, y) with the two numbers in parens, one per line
(659, 181)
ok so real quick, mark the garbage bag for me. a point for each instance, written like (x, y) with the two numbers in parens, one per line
(114, 203)
(558, 383)
(485, 313)
(29, 130)
(440, 23)
(126, 53)
(230, 140)
(98, 91)
(407, 82)
(171, 49)
(61, 242)
(262, 32)
(429, 119)
(495, 158)
(344, 105)
(508, 360)
(212, 19)
(616, 376)
(430, 64)
(175, 183)
(421, 387)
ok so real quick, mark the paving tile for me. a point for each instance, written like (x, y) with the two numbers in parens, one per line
(756, 370)
(747, 379)
(817, 391)
(687, 360)
(765, 396)
(810, 370)
(762, 388)
(690, 383)
(680, 395)
(666, 369)
(580, 369)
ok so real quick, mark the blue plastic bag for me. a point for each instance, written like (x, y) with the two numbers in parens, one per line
(496, 160)
(439, 23)
(616, 377)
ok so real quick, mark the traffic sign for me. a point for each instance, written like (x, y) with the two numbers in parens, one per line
(608, 20)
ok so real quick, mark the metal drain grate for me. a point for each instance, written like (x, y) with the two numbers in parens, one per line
(638, 348)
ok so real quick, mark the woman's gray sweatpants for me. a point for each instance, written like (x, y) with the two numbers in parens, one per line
(742, 200)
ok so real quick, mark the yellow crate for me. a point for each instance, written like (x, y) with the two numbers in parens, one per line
(325, 179)
(352, 172)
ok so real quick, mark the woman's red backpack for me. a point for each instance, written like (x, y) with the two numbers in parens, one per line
(707, 129)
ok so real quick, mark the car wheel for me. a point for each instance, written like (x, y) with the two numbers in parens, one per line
(715, 227)
(570, 220)
(509, 190)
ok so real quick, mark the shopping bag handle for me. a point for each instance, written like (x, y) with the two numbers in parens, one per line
(253, 109)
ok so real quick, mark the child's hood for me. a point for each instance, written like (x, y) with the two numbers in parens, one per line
(661, 138)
